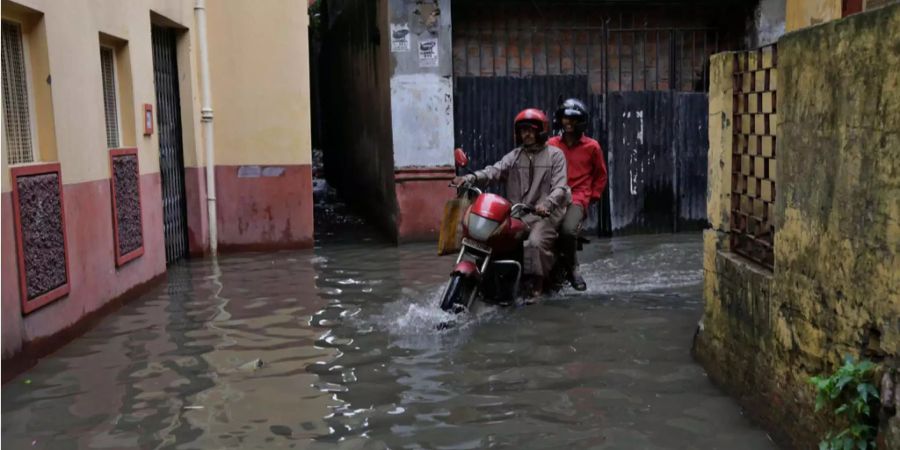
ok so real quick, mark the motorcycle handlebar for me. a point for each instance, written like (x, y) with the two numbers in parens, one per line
(466, 186)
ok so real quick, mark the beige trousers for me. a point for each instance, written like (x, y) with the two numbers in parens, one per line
(539, 247)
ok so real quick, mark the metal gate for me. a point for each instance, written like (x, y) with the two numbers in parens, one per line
(171, 160)
(645, 86)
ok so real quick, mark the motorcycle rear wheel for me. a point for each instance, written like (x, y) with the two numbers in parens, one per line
(456, 297)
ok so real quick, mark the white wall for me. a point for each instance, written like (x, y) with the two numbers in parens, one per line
(421, 93)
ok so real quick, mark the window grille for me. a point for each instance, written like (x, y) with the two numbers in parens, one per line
(753, 168)
(17, 118)
(108, 72)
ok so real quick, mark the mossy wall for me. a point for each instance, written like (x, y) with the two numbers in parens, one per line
(835, 287)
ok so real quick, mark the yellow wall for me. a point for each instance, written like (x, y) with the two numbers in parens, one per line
(805, 13)
(835, 288)
(259, 64)
(73, 31)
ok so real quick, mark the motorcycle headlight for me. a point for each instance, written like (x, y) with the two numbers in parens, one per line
(480, 228)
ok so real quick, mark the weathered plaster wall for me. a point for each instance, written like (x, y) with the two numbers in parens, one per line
(806, 13)
(261, 101)
(421, 87)
(355, 78)
(257, 123)
(835, 289)
(767, 23)
(422, 115)
(71, 125)
(261, 98)
(71, 41)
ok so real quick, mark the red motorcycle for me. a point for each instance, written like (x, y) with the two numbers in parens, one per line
(489, 265)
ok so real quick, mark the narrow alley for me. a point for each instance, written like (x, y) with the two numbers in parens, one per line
(450, 224)
(338, 348)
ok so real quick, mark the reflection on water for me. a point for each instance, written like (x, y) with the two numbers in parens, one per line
(338, 348)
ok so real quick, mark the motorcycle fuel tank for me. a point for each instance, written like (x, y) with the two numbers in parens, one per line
(491, 206)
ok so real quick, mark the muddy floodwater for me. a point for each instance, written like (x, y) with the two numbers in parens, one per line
(338, 347)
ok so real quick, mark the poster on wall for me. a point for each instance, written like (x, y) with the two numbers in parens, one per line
(399, 38)
(428, 53)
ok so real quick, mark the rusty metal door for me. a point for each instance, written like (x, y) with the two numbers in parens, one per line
(620, 72)
(171, 160)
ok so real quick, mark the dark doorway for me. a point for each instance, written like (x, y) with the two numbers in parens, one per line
(171, 159)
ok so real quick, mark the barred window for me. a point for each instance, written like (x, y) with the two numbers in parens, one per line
(108, 72)
(16, 114)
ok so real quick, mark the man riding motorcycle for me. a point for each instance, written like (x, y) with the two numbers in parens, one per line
(535, 174)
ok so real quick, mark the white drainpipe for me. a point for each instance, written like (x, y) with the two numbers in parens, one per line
(206, 117)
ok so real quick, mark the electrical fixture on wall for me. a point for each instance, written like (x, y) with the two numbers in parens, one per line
(148, 119)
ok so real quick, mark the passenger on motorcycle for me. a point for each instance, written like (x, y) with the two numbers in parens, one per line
(535, 174)
(587, 179)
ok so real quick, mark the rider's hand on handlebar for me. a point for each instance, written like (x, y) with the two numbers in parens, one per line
(459, 181)
(542, 211)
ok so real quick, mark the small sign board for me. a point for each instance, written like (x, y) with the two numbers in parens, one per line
(399, 38)
(428, 53)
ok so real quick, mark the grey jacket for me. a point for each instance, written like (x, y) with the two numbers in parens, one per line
(536, 178)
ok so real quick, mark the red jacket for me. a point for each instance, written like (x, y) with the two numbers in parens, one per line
(586, 168)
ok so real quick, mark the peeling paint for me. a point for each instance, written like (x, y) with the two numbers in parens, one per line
(422, 113)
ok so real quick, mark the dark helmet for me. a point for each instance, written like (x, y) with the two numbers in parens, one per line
(573, 109)
(535, 118)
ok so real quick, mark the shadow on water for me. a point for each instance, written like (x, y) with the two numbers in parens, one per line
(339, 348)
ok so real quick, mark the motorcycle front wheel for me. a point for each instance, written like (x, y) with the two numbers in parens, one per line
(459, 292)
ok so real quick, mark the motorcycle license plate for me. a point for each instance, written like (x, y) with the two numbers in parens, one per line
(476, 245)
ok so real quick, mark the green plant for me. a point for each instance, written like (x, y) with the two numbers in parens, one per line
(854, 397)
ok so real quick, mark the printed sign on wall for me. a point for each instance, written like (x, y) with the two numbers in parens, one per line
(428, 53)
(399, 37)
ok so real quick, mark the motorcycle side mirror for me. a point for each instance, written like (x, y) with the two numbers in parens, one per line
(460, 156)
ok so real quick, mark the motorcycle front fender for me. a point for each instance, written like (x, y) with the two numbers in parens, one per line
(467, 269)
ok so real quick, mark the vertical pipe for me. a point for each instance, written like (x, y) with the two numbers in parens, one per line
(531, 47)
(587, 54)
(520, 44)
(705, 63)
(206, 117)
(644, 70)
(465, 46)
(673, 60)
(478, 40)
(656, 53)
(619, 57)
(693, 59)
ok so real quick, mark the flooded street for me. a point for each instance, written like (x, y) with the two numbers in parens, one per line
(338, 348)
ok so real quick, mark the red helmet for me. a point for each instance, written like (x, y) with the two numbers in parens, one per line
(536, 118)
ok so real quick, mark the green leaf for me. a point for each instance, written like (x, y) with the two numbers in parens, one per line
(872, 391)
(841, 409)
(842, 381)
(848, 443)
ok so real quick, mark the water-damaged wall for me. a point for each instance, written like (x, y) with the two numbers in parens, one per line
(421, 113)
(355, 76)
(835, 287)
(421, 84)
